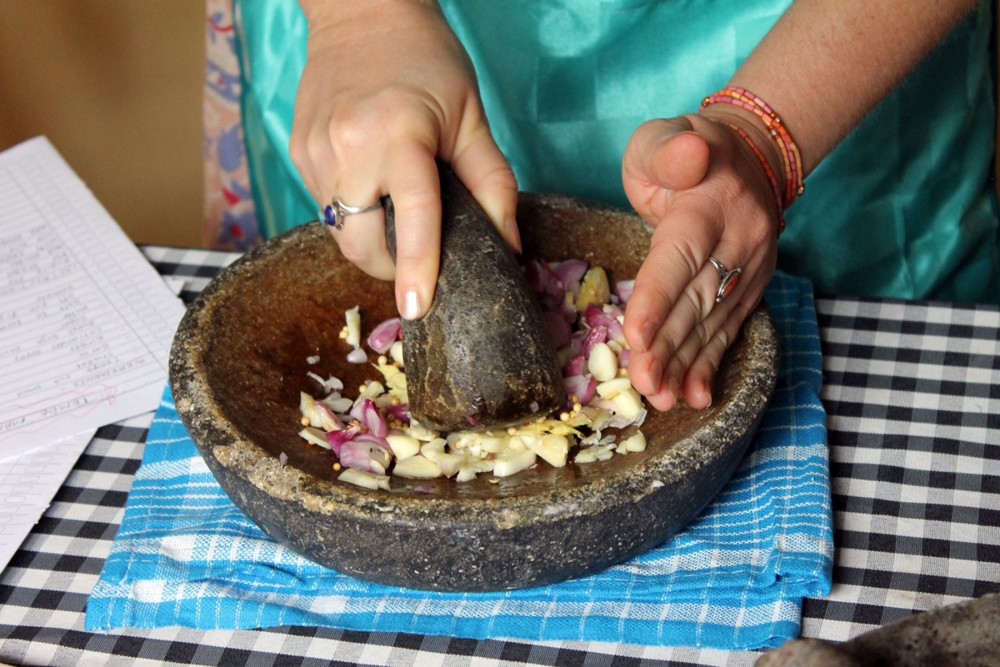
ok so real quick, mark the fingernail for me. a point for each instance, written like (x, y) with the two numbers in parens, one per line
(412, 309)
(511, 225)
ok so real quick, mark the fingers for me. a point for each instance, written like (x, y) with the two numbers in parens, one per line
(692, 369)
(677, 254)
(362, 237)
(694, 185)
(387, 88)
(416, 197)
(688, 346)
(708, 345)
(485, 171)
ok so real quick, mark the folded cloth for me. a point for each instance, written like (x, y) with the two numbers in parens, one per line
(734, 579)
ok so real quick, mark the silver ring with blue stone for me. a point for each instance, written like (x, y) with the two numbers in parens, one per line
(335, 212)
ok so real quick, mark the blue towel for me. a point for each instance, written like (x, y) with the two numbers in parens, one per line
(734, 579)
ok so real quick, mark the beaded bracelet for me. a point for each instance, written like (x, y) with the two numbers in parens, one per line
(790, 155)
(775, 187)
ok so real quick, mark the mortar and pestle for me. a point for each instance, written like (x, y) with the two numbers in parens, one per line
(240, 359)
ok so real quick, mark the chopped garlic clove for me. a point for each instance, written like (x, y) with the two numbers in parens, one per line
(611, 388)
(396, 352)
(340, 404)
(403, 446)
(513, 462)
(372, 389)
(364, 479)
(594, 289)
(636, 442)
(552, 448)
(492, 444)
(421, 433)
(603, 364)
(417, 467)
(314, 436)
(434, 448)
(450, 463)
(628, 404)
(353, 317)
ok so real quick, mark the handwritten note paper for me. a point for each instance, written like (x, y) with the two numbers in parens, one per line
(85, 322)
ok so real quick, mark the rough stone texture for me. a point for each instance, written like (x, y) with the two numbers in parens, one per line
(963, 634)
(482, 356)
(239, 361)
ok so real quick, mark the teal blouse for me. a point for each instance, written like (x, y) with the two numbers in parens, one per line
(904, 207)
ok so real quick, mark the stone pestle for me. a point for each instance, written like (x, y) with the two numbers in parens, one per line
(482, 356)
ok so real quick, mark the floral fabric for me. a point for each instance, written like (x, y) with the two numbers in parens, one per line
(230, 217)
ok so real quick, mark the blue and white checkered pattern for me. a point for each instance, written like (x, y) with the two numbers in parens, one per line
(735, 579)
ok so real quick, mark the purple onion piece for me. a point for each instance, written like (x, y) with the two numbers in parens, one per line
(385, 334)
(575, 366)
(594, 336)
(370, 417)
(582, 386)
(571, 272)
(338, 438)
(623, 290)
(400, 412)
(366, 452)
(558, 327)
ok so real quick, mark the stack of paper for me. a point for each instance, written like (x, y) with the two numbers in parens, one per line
(85, 330)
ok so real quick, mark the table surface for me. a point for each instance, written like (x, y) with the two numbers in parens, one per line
(913, 396)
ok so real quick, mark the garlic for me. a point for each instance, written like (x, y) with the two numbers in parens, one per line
(417, 467)
(353, 317)
(364, 479)
(612, 387)
(553, 449)
(594, 289)
(396, 352)
(635, 442)
(314, 436)
(513, 462)
(603, 364)
(628, 404)
(403, 446)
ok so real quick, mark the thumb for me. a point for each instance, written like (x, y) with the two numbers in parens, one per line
(666, 153)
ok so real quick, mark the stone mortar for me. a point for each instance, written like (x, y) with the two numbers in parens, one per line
(239, 361)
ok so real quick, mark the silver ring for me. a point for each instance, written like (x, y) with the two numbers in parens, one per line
(335, 212)
(728, 278)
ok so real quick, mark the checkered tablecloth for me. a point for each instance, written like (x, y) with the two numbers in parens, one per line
(913, 396)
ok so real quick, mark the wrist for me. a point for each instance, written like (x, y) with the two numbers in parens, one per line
(765, 134)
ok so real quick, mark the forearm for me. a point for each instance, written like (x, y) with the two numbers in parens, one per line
(827, 63)
(319, 12)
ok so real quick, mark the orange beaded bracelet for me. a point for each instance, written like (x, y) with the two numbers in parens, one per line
(779, 201)
(791, 157)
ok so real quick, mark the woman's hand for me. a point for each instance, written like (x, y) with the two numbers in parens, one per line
(387, 89)
(698, 183)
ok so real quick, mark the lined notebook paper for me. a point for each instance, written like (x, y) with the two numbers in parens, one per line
(85, 322)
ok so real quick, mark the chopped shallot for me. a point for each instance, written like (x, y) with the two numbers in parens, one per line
(374, 437)
(385, 334)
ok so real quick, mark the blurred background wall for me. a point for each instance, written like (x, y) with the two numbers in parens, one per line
(116, 86)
